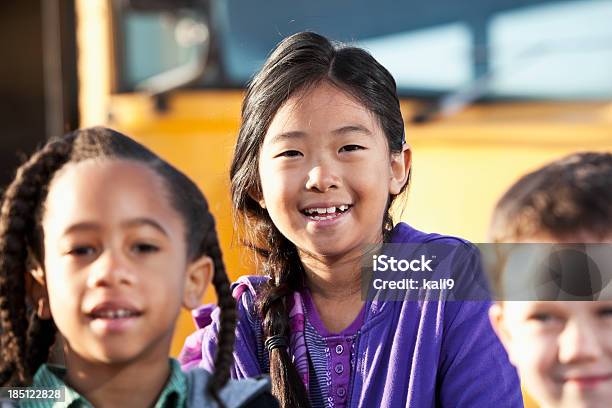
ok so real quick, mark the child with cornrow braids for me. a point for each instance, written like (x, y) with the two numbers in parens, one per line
(320, 158)
(102, 241)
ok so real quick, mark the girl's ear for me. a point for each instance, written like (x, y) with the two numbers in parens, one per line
(36, 291)
(258, 197)
(198, 277)
(400, 169)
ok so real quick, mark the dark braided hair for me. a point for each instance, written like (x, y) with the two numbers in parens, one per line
(299, 62)
(19, 236)
(25, 340)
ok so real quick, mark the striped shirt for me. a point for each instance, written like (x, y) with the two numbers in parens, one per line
(331, 357)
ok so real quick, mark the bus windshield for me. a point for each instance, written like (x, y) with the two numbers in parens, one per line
(534, 49)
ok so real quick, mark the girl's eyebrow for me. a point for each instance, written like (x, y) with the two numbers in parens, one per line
(281, 137)
(135, 222)
(352, 128)
(81, 226)
(296, 134)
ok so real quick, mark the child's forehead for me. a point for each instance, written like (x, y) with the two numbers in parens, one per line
(322, 98)
(322, 113)
(100, 185)
(102, 169)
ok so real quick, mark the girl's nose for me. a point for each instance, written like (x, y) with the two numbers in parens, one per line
(579, 342)
(323, 177)
(110, 269)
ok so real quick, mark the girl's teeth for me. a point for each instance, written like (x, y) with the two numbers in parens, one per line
(329, 210)
(115, 314)
(328, 217)
(322, 213)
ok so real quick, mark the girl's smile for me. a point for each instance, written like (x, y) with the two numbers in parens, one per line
(114, 316)
(323, 215)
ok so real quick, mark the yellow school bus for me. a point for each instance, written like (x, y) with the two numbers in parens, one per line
(489, 91)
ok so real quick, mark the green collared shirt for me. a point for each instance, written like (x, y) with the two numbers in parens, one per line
(174, 393)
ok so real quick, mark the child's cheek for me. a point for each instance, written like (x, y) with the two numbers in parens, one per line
(539, 362)
(65, 305)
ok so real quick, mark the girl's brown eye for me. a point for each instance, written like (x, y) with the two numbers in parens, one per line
(82, 251)
(289, 153)
(351, 148)
(145, 248)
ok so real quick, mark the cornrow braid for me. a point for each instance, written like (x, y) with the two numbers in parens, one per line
(23, 353)
(224, 359)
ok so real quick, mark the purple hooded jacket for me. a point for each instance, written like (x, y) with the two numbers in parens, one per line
(408, 354)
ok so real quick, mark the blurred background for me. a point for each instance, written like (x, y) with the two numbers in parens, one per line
(490, 88)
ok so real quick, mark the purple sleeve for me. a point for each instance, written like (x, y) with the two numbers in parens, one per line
(191, 354)
(200, 347)
(474, 367)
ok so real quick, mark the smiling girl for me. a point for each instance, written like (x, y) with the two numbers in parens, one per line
(102, 239)
(319, 160)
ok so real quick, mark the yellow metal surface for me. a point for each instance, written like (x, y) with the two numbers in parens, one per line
(463, 164)
(94, 60)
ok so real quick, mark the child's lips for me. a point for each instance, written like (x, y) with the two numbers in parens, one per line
(323, 220)
(105, 324)
(113, 317)
(588, 381)
(326, 213)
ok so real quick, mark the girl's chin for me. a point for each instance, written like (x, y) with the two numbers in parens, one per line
(327, 249)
